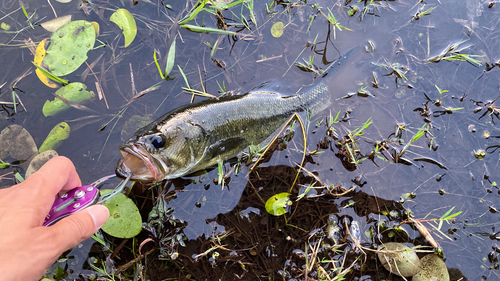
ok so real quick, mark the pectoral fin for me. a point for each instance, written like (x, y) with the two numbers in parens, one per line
(222, 150)
(226, 148)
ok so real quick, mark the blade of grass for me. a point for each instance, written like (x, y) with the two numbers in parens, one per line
(194, 12)
(157, 64)
(52, 76)
(170, 59)
(200, 29)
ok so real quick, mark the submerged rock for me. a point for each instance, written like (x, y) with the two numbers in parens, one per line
(399, 259)
(433, 268)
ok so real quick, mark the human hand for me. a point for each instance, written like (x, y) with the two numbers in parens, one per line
(27, 248)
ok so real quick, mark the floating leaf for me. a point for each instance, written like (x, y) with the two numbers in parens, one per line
(194, 12)
(69, 46)
(433, 268)
(277, 29)
(124, 218)
(96, 27)
(277, 203)
(75, 92)
(207, 29)
(59, 133)
(39, 55)
(124, 19)
(54, 24)
(39, 160)
(4, 26)
(135, 122)
(17, 143)
(399, 259)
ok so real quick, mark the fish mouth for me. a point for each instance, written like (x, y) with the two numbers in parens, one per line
(139, 163)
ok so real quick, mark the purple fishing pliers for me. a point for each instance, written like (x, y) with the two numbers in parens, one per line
(80, 198)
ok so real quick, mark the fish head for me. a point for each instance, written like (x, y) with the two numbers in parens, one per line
(168, 151)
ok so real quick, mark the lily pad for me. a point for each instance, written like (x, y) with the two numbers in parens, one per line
(277, 29)
(69, 46)
(39, 160)
(124, 218)
(432, 267)
(59, 133)
(39, 55)
(135, 122)
(75, 92)
(124, 19)
(399, 259)
(4, 26)
(277, 204)
(17, 143)
(54, 24)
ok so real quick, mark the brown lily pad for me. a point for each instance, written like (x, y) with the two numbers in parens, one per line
(39, 160)
(17, 143)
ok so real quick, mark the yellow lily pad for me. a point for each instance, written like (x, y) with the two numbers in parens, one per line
(277, 29)
(4, 26)
(59, 133)
(124, 19)
(39, 55)
(96, 27)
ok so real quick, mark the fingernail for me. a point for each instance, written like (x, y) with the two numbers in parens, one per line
(99, 214)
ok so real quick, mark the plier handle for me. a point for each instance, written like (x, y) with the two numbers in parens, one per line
(80, 198)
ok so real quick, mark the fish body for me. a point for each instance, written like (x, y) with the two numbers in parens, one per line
(196, 136)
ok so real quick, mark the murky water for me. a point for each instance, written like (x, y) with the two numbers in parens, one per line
(386, 35)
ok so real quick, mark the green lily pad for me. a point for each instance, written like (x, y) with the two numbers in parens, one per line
(69, 46)
(59, 133)
(135, 122)
(124, 19)
(277, 29)
(124, 218)
(75, 92)
(277, 204)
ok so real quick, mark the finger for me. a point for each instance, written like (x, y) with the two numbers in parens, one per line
(72, 230)
(57, 174)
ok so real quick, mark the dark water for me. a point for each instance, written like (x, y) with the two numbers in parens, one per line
(467, 184)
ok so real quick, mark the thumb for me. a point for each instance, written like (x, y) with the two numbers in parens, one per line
(72, 230)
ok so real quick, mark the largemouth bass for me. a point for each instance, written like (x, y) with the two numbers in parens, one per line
(196, 136)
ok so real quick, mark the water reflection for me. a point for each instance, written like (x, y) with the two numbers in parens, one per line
(398, 107)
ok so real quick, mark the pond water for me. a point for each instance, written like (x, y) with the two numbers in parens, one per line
(224, 232)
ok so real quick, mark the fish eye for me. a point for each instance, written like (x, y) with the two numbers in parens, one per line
(158, 141)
